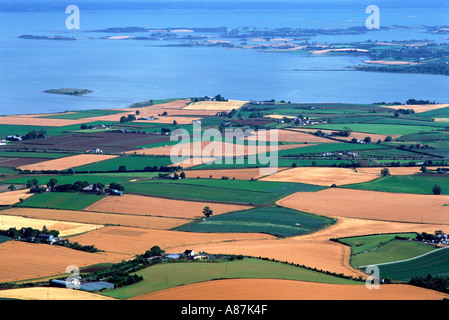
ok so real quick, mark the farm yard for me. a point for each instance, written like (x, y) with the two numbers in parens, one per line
(349, 180)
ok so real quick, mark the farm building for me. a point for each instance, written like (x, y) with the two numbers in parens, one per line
(114, 192)
(86, 286)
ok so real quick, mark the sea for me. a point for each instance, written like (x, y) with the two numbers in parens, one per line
(121, 72)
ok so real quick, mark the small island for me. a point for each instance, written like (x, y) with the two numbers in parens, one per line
(71, 92)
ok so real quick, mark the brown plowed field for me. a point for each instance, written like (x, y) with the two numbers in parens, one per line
(159, 207)
(17, 162)
(323, 176)
(67, 162)
(109, 142)
(96, 218)
(273, 289)
(133, 241)
(372, 205)
(31, 260)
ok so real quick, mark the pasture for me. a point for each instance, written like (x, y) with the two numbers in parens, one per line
(277, 221)
(231, 191)
(60, 200)
(170, 275)
(416, 184)
(434, 262)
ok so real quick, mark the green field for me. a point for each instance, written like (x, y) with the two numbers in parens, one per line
(436, 263)
(32, 154)
(369, 242)
(4, 238)
(60, 200)
(389, 129)
(417, 183)
(131, 163)
(105, 178)
(277, 221)
(394, 250)
(241, 191)
(329, 147)
(169, 275)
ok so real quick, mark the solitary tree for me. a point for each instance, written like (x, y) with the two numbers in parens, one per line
(207, 211)
(182, 175)
(385, 172)
(436, 189)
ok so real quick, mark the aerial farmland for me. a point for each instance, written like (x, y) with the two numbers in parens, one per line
(214, 158)
(114, 197)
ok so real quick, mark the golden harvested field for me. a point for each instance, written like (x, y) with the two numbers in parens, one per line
(194, 161)
(394, 171)
(31, 260)
(64, 228)
(40, 293)
(420, 107)
(315, 250)
(216, 105)
(441, 119)
(323, 176)
(291, 136)
(211, 149)
(351, 227)
(159, 207)
(67, 162)
(375, 205)
(274, 289)
(98, 218)
(133, 241)
(12, 197)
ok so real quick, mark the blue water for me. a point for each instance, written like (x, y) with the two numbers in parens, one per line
(123, 72)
